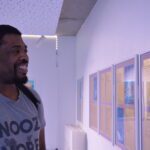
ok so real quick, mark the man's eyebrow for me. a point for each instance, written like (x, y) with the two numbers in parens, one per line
(18, 46)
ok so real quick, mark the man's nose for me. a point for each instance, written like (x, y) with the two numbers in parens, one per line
(24, 55)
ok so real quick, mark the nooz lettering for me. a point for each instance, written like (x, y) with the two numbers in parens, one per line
(36, 127)
(14, 128)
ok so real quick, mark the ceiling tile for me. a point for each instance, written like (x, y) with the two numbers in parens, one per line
(31, 16)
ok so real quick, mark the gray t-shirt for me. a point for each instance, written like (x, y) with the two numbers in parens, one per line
(20, 123)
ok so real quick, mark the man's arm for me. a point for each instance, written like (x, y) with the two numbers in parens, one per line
(42, 140)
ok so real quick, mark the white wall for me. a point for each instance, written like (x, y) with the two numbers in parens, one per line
(66, 72)
(42, 69)
(54, 84)
(114, 31)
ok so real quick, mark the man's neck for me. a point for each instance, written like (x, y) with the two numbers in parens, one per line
(10, 91)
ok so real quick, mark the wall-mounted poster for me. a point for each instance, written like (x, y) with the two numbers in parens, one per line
(95, 88)
(120, 86)
(145, 76)
(93, 120)
(120, 125)
(105, 103)
(80, 99)
(125, 105)
(129, 84)
(129, 92)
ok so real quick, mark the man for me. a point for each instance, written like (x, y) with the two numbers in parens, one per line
(21, 123)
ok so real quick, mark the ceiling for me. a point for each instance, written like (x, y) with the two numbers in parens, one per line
(73, 14)
(45, 17)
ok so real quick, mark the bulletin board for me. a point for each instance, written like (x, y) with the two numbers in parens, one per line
(125, 105)
(145, 75)
(80, 100)
(93, 102)
(105, 103)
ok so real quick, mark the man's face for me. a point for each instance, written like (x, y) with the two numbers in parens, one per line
(13, 60)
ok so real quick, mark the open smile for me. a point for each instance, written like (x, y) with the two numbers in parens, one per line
(22, 67)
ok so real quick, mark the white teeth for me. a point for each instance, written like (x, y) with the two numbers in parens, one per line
(23, 67)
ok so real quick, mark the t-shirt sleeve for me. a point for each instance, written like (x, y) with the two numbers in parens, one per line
(40, 109)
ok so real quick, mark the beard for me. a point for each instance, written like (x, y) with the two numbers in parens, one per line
(14, 73)
(19, 78)
(15, 79)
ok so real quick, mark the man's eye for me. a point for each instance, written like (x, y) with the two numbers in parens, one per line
(17, 51)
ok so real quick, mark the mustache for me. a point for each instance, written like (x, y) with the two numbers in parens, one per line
(24, 61)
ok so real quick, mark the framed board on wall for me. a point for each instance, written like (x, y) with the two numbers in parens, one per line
(125, 104)
(93, 102)
(80, 100)
(145, 101)
(106, 103)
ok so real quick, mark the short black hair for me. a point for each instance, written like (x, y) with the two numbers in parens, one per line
(7, 29)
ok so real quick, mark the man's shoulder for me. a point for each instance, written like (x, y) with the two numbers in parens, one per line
(34, 92)
(31, 94)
